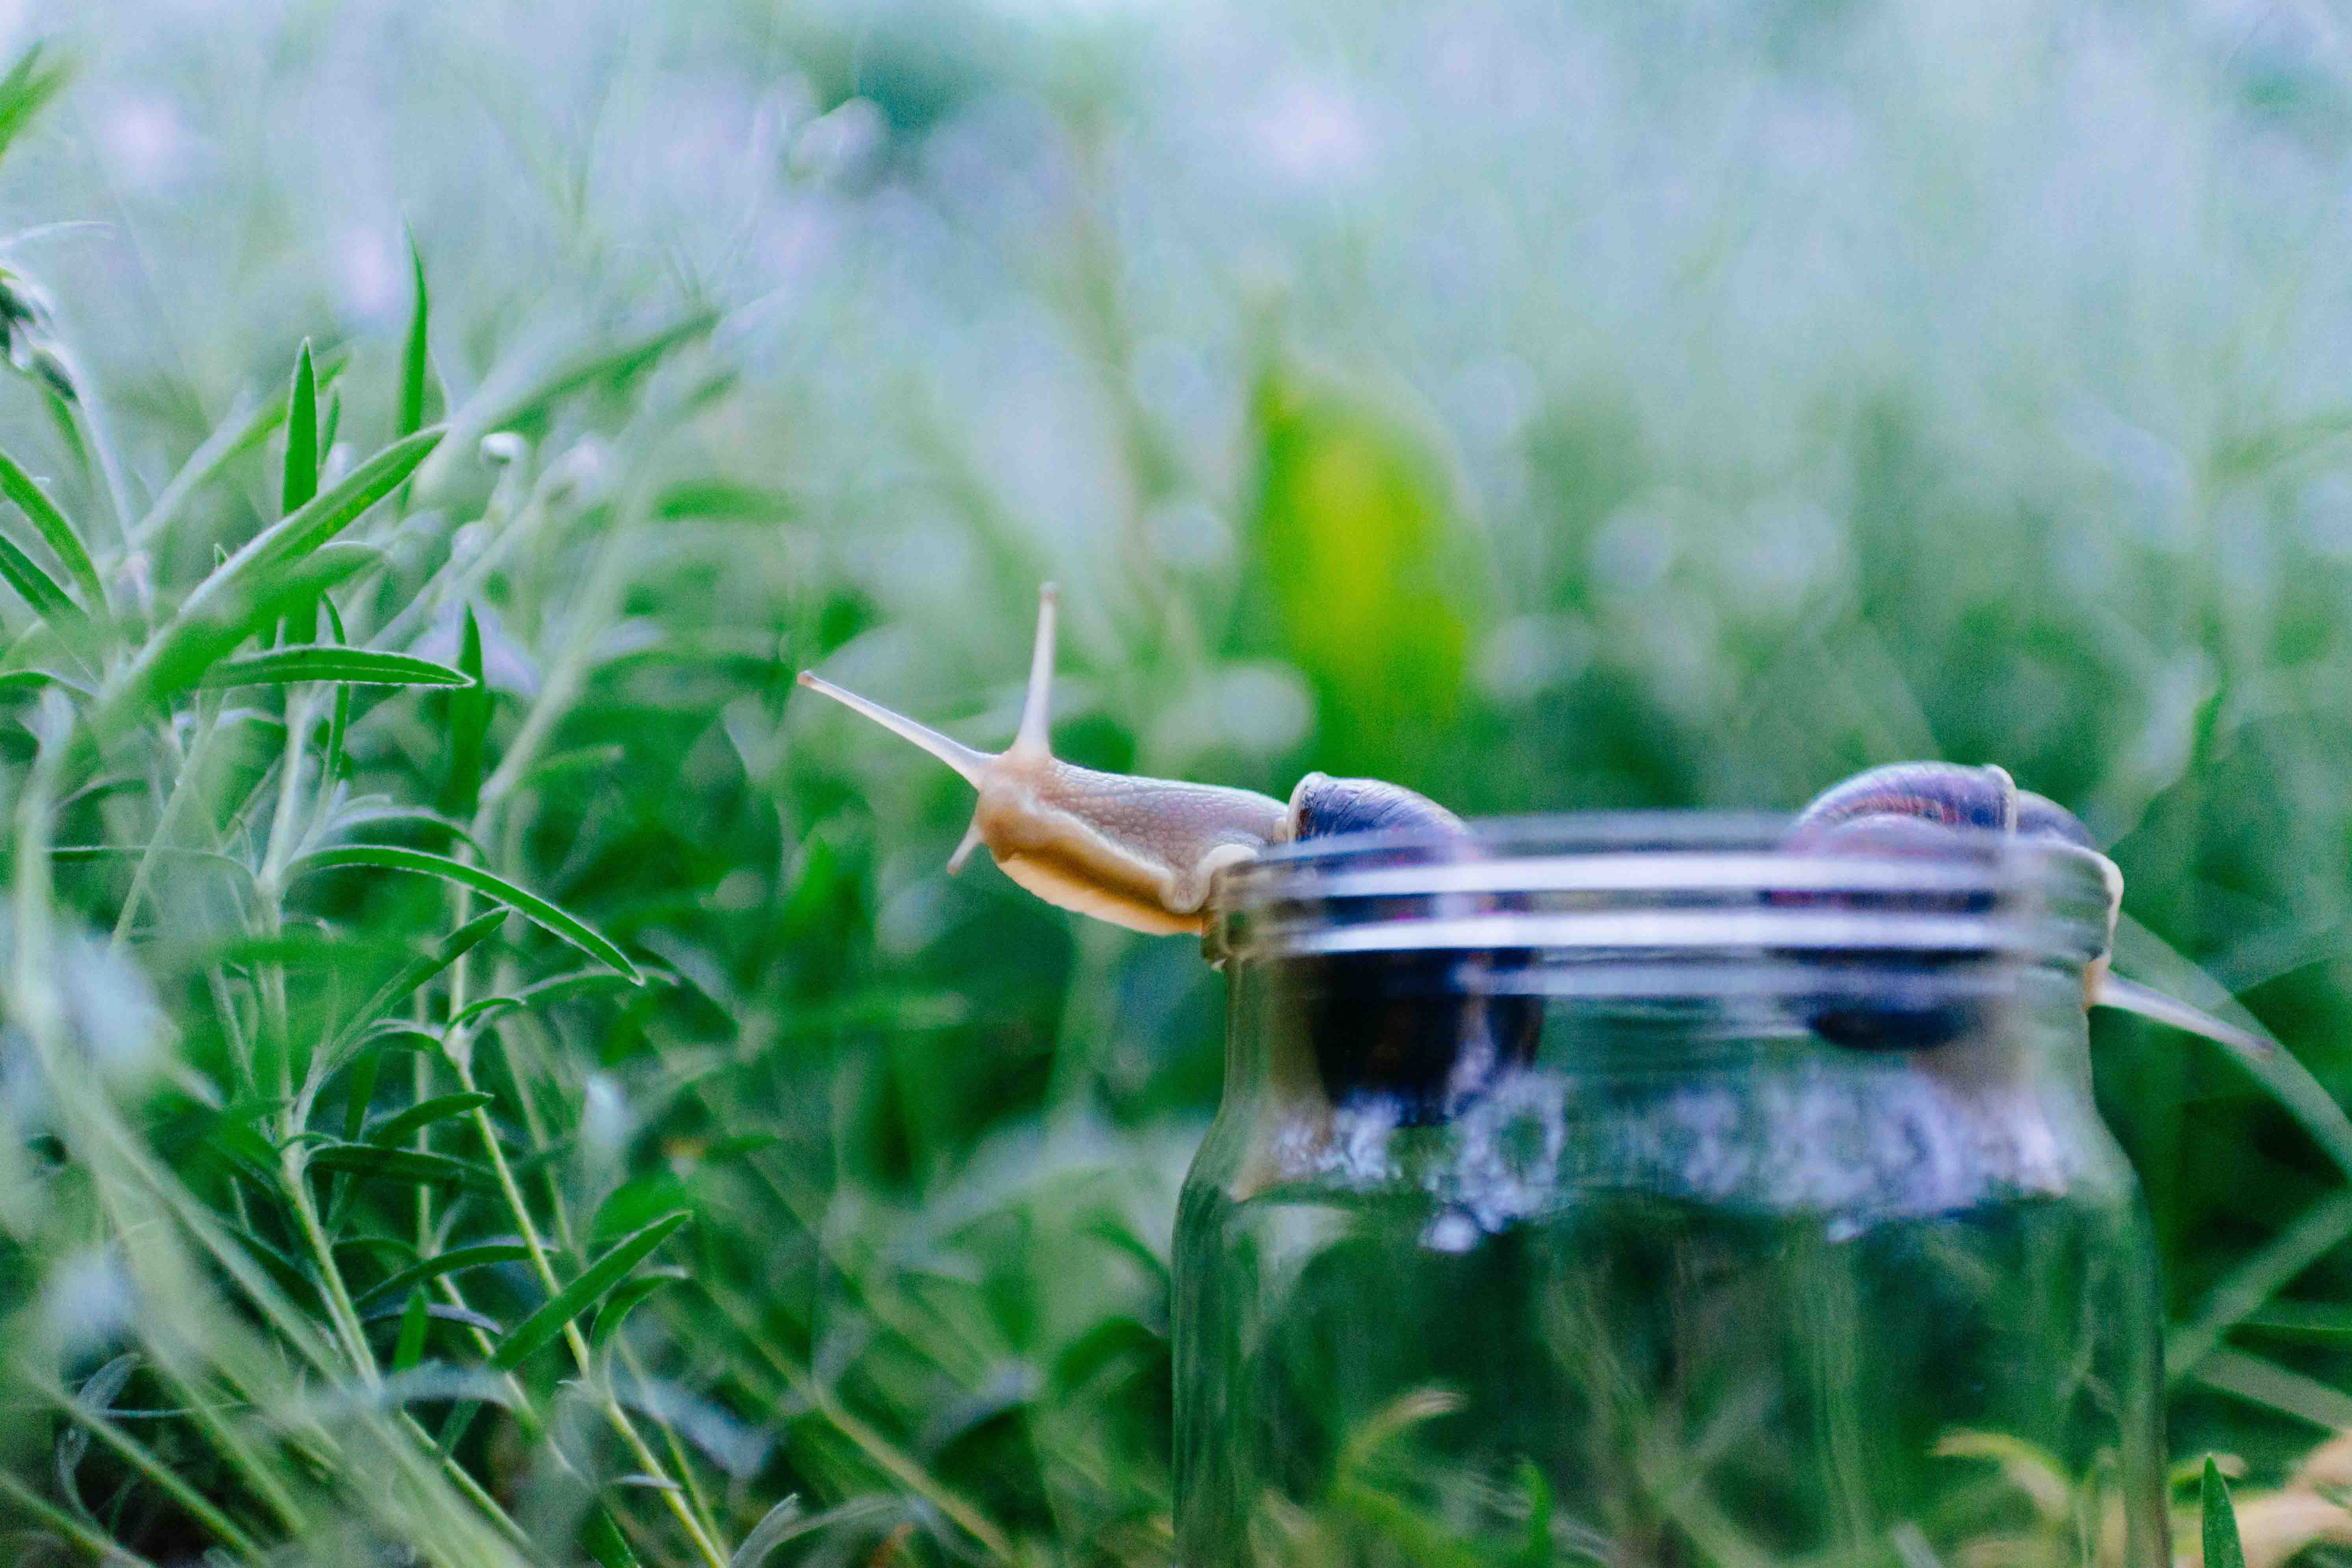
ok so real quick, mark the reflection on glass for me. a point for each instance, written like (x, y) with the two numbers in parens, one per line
(1545, 1250)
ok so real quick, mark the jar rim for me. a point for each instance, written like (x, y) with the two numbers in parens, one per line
(1651, 887)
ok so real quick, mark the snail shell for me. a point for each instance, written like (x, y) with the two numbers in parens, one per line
(1929, 810)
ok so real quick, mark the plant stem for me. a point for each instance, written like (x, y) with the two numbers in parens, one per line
(580, 1355)
(134, 1454)
(99, 1544)
(339, 1296)
(885, 1454)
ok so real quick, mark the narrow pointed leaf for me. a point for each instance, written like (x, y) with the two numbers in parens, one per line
(424, 1113)
(246, 427)
(30, 84)
(359, 665)
(469, 727)
(604, 1540)
(227, 606)
(33, 585)
(301, 479)
(415, 354)
(331, 765)
(414, 1319)
(2222, 1547)
(403, 980)
(457, 1260)
(562, 988)
(43, 513)
(408, 1167)
(576, 1298)
(530, 905)
(626, 1298)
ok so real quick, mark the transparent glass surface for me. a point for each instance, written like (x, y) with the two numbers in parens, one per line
(1634, 1193)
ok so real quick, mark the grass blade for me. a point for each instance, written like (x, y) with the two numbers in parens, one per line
(403, 980)
(440, 1108)
(2318, 1232)
(414, 1319)
(2222, 1547)
(576, 1298)
(56, 528)
(358, 666)
(246, 427)
(604, 1540)
(425, 1270)
(33, 585)
(301, 479)
(27, 89)
(408, 1167)
(470, 728)
(2255, 1049)
(530, 905)
(627, 1299)
(415, 354)
(560, 989)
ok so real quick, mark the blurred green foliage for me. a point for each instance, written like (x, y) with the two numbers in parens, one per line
(1544, 407)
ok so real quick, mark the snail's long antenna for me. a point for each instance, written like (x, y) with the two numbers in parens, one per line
(1035, 733)
(2130, 997)
(2275, 1066)
(971, 764)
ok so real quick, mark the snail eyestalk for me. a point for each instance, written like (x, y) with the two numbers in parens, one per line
(1138, 852)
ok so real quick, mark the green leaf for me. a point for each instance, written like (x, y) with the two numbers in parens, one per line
(247, 588)
(638, 1202)
(414, 1318)
(1357, 527)
(415, 354)
(574, 1298)
(2222, 1547)
(289, 1275)
(370, 1015)
(735, 503)
(469, 727)
(562, 988)
(27, 89)
(604, 1540)
(31, 680)
(408, 1167)
(330, 762)
(625, 1299)
(457, 1260)
(33, 585)
(43, 513)
(301, 480)
(614, 368)
(424, 1113)
(359, 665)
(243, 429)
(329, 424)
(530, 906)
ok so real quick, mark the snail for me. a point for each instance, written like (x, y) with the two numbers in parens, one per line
(1929, 808)
(1142, 853)
(1138, 852)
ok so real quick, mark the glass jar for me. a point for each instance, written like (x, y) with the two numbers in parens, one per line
(1631, 1190)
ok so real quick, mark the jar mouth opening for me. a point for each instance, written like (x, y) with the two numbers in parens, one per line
(1666, 887)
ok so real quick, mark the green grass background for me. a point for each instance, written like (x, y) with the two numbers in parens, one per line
(1544, 406)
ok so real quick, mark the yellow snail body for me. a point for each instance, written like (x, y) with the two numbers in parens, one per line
(1136, 851)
